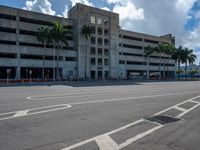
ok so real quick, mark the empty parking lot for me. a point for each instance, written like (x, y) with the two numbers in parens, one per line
(104, 115)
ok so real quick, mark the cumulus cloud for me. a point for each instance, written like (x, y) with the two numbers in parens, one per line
(106, 8)
(193, 39)
(160, 17)
(43, 6)
(184, 5)
(128, 13)
(117, 1)
(65, 13)
(86, 2)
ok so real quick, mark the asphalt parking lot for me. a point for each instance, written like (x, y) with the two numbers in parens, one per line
(101, 116)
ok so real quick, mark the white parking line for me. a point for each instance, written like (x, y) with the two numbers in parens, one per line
(139, 136)
(129, 98)
(64, 106)
(105, 142)
(21, 113)
(87, 94)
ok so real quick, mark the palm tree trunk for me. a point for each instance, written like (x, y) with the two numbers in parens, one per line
(54, 71)
(43, 59)
(160, 67)
(168, 69)
(57, 66)
(86, 61)
(164, 67)
(186, 70)
(148, 70)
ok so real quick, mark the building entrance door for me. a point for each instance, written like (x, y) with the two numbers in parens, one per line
(99, 77)
(93, 74)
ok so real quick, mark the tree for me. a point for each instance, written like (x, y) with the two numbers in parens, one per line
(193, 72)
(188, 56)
(178, 57)
(169, 51)
(86, 31)
(179, 72)
(43, 36)
(147, 52)
(59, 34)
(159, 49)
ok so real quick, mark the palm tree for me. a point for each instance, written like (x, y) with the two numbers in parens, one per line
(59, 34)
(86, 31)
(43, 37)
(188, 56)
(147, 52)
(169, 51)
(178, 57)
(159, 49)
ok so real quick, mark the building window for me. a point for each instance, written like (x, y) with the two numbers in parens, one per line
(100, 51)
(121, 62)
(151, 41)
(106, 52)
(100, 32)
(100, 41)
(105, 22)
(70, 73)
(93, 51)
(70, 58)
(92, 61)
(132, 38)
(106, 42)
(99, 21)
(132, 46)
(106, 32)
(93, 29)
(105, 61)
(8, 55)
(92, 20)
(93, 40)
(100, 61)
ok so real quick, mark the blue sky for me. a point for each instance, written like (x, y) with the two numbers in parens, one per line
(179, 17)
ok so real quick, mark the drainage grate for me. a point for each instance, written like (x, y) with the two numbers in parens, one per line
(162, 119)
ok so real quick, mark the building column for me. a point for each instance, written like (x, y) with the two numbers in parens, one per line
(18, 73)
(18, 70)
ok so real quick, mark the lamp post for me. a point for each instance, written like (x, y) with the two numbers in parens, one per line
(30, 73)
(8, 73)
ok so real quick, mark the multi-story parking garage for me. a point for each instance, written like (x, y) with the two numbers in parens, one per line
(111, 52)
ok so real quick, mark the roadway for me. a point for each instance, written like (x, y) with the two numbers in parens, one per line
(101, 116)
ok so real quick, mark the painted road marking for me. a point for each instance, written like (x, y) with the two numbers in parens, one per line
(128, 99)
(180, 108)
(139, 136)
(105, 142)
(87, 94)
(64, 106)
(21, 113)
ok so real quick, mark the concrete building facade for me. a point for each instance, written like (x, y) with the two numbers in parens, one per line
(110, 52)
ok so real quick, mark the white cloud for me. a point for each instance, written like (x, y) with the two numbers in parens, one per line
(65, 13)
(117, 1)
(43, 6)
(159, 17)
(193, 39)
(86, 2)
(106, 8)
(184, 5)
(128, 13)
